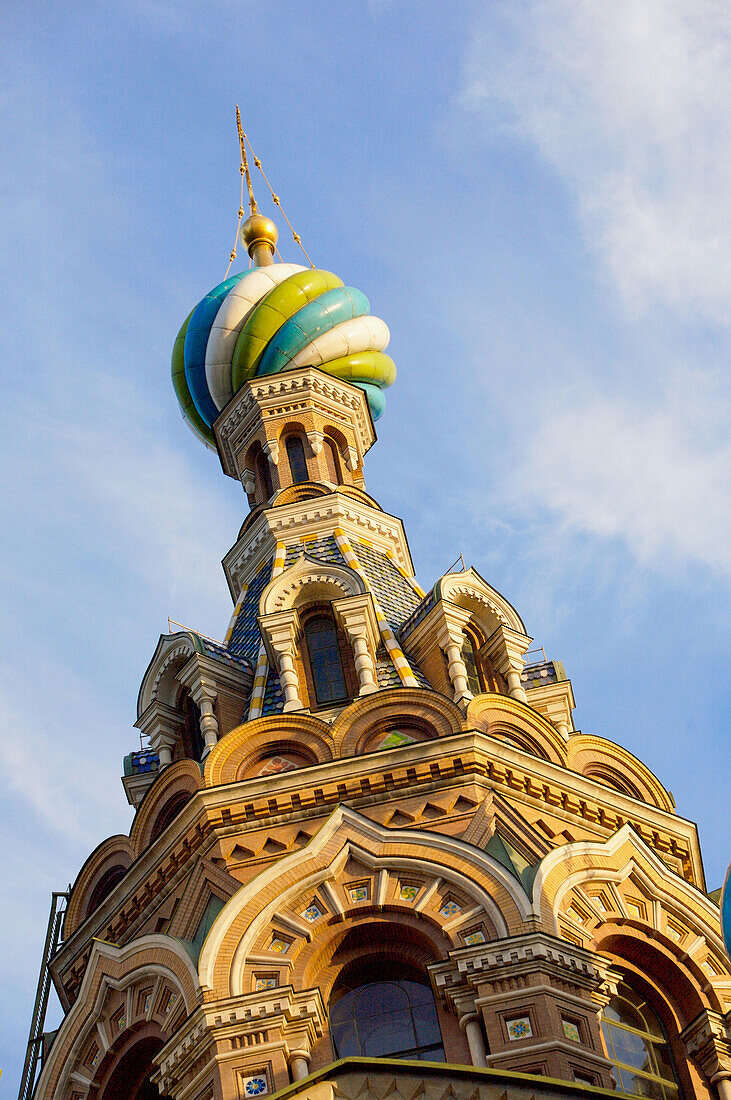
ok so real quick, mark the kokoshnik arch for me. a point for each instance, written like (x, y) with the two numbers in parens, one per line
(370, 853)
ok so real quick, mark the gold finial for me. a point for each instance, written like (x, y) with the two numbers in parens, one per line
(258, 233)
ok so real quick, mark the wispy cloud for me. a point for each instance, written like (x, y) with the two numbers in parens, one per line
(628, 103)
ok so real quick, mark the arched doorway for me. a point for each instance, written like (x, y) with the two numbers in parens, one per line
(130, 1078)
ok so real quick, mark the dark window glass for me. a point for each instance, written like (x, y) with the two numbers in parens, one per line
(325, 663)
(264, 476)
(469, 657)
(387, 1019)
(297, 463)
(636, 1043)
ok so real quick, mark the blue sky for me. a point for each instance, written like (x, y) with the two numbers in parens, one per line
(533, 195)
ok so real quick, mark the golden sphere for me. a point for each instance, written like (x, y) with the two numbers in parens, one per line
(257, 231)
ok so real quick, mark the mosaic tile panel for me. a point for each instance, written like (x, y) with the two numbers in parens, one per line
(265, 983)
(519, 1028)
(571, 1031)
(474, 937)
(255, 1086)
(312, 913)
(408, 892)
(450, 908)
(273, 694)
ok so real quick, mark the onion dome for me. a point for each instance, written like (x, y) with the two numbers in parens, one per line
(269, 319)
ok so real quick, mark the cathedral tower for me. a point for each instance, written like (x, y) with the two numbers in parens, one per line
(370, 854)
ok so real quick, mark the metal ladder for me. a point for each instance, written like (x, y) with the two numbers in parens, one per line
(35, 1038)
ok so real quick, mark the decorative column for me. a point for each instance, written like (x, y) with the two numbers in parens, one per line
(470, 1024)
(280, 631)
(450, 639)
(162, 725)
(203, 695)
(200, 682)
(271, 450)
(357, 617)
(299, 1064)
(315, 440)
(506, 649)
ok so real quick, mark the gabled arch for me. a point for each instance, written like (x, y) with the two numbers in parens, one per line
(309, 580)
(159, 683)
(624, 854)
(110, 968)
(485, 884)
(472, 592)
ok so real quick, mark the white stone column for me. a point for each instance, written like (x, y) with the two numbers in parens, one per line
(299, 1063)
(506, 649)
(204, 694)
(280, 631)
(470, 1024)
(356, 616)
(450, 639)
(162, 725)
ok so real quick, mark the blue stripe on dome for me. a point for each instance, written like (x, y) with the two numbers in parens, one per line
(376, 397)
(324, 313)
(196, 339)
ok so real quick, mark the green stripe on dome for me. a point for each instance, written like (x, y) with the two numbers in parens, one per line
(180, 385)
(271, 313)
(366, 366)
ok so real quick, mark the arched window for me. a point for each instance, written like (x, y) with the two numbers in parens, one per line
(332, 461)
(378, 1019)
(296, 458)
(169, 812)
(480, 676)
(191, 743)
(326, 664)
(637, 1045)
(264, 487)
(104, 887)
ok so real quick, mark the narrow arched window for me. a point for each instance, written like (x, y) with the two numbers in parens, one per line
(296, 458)
(263, 477)
(637, 1045)
(326, 665)
(480, 675)
(332, 463)
(395, 1019)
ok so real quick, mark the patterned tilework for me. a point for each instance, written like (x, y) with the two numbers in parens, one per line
(137, 762)
(326, 549)
(539, 674)
(245, 636)
(221, 653)
(388, 636)
(420, 612)
(235, 614)
(393, 592)
(273, 695)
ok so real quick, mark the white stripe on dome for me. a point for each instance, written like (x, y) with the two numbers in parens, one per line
(232, 313)
(348, 338)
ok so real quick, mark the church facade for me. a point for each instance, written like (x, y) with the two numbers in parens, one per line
(370, 854)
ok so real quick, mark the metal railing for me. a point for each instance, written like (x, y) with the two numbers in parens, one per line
(38, 1019)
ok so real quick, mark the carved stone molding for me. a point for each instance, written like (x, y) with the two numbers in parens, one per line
(708, 1042)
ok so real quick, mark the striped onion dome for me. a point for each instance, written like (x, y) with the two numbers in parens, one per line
(269, 319)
